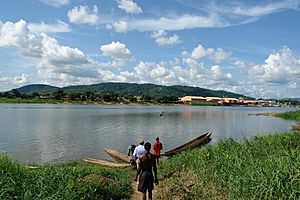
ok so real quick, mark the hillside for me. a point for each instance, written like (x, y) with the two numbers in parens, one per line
(37, 88)
(131, 89)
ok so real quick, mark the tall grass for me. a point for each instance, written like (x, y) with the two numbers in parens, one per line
(68, 181)
(293, 115)
(261, 168)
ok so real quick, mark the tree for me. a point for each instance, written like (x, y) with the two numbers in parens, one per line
(16, 93)
(58, 94)
(146, 98)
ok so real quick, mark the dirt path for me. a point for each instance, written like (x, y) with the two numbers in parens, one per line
(136, 195)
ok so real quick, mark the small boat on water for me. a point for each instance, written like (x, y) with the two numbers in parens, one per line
(198, 141)
(118, 156)
(105, 163)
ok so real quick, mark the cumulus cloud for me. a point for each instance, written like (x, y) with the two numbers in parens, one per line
(58, 27)
(56, 63)
(83, 15)
(116, 50)
(120, 26)
(161, 38)
(15, 81)
(129, 6)
(217, 55)
(56, 3)
(280, 67)
(18, 35)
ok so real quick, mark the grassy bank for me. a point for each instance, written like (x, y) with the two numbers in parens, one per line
(68, 181)
(260, 168)
(205, 103)
(292, 115)
(19, 100)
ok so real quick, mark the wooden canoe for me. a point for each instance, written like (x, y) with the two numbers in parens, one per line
(198, 141)
(118, 156)
(105, 163)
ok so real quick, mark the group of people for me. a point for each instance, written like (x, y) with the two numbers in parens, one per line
(145, 163)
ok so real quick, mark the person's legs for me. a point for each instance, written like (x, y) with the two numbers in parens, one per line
(144, 195)
(150, 194)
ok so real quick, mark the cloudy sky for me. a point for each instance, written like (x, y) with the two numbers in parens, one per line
(249, 47)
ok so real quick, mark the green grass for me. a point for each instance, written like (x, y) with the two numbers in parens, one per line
(260, 168)
(34, 100)
(200, 103)
(67, 181)
(292, 115)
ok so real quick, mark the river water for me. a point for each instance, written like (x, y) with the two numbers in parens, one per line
(35, 133)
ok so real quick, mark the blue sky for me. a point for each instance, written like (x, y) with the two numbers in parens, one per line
(248, 47)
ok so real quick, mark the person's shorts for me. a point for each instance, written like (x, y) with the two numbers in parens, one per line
(157, 156)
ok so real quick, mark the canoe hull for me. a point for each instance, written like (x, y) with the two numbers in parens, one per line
(105, 163)
(201, 140)
(118, 156)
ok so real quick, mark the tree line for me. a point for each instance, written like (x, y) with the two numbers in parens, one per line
(90, 96)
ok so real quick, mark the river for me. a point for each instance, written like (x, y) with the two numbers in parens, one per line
(38, 133)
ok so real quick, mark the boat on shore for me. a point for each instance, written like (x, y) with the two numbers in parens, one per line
(106, 163)
(118, 156)
(198, 141)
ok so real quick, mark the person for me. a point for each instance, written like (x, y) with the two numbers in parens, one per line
(157, 147)
(131, 149)
(145, 173)
(138, 153)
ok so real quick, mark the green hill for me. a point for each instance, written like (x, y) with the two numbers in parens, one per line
(37, 88)
(131, 89)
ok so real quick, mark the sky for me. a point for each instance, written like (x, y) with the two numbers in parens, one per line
(248, 47)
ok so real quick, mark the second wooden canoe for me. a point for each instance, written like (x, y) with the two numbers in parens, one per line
(198, 141)
(105, 163)
(118, 156)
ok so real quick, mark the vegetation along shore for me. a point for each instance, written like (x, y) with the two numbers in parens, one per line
(265, 167)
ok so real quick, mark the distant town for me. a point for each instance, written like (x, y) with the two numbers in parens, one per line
(194, 100)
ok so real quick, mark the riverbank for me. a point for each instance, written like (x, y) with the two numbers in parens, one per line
(52, 101)
(290, 115)
(260, 168)
(264, 167)
(65, 181)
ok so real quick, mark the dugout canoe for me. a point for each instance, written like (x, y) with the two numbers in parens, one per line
(198, 141)
(106, 163)
(118, 156)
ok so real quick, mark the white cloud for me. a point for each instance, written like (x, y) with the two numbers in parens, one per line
(162, 39)
(176, 23)
(55, 63)
(129, 6)
(58, 27)
(120, 26)
(83, 15)
(18, 35)
(16, 81)
(261, 10)
(217, 55)
(56, 3)
(280, 67)
(116, 50)
(58, 55)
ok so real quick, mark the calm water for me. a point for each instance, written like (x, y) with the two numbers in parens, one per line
(56, 133)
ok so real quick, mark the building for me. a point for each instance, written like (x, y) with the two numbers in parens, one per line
(230, 100)
(188, 99)
(213, 99)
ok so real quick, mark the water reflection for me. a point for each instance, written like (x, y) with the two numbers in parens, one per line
(55, 133)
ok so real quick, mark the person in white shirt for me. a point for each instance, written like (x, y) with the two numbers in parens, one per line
(139, 151)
